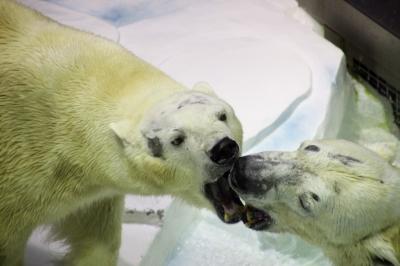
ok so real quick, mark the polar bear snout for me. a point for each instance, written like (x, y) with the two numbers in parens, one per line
(224, 152)
(246, 178)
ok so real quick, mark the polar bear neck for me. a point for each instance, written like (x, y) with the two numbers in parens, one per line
(383, 247)
(382, 244)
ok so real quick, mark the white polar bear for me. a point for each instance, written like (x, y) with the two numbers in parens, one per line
(335, 194)
(83, 122)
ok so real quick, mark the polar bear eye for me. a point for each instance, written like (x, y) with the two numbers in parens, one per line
(178, 140)
(315, 196)
(312, 148)
(222, 117)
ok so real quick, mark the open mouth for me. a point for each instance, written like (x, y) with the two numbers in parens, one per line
(226, 202)
(230, 208)
(256, 219)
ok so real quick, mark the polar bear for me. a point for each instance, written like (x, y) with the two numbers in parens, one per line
(335, 194)
(83, 122)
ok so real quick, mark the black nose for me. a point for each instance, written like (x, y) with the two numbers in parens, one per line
(224, 152)
(238, 176)
(246, 176)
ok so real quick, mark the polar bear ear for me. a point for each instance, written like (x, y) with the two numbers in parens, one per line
(204, 87)
(122, 130)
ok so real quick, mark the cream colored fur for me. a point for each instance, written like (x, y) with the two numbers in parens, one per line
(75, 111)
(336, 194)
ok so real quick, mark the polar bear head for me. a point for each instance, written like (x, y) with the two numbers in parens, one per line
(183, 146)
(333, 193)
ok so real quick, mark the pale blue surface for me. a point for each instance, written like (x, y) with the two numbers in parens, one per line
(123, 12)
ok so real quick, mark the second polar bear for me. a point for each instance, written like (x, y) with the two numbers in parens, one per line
(83, 122)
(342, 196)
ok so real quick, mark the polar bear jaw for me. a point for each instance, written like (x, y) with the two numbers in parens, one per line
(332, 193)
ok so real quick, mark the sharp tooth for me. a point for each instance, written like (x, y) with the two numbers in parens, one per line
(249, 217)
(226, 217)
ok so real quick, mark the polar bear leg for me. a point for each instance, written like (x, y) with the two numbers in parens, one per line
(94, 233)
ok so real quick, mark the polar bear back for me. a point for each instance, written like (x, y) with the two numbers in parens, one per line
(59, 87)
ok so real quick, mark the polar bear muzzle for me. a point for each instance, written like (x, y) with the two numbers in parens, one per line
(244, 179)
(245, 175)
